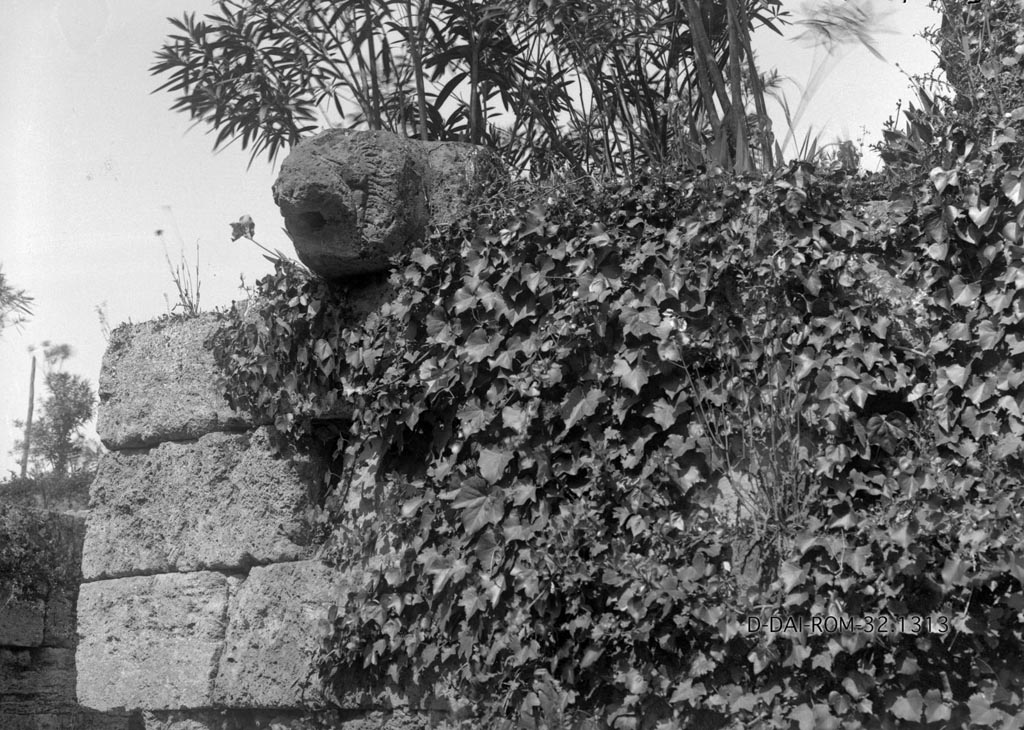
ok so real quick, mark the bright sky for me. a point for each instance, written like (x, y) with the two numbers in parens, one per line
(93, 164)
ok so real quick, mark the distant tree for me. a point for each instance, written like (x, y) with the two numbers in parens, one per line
(15, 304)
(56, 444)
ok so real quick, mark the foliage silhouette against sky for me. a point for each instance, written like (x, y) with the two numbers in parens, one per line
(95, 164)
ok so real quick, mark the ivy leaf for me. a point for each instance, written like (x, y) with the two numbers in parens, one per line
(909, 707)
(479, 508)
(981, 391)
(590, 655)
(663, 413)
(806, 364)
(633, 378)
(982, 712)
(425, 260)
(859, 391)
(515, 418)
(988, 335)
(935, 710)
(472, 418)
(956, 374)
(803, 716)
(578, 405)
(410, 507)
(857, 684)
(942, 178)
(980, 216)
(492, 464)
(687, 691)
(1012, 188)
(953, 571)
(488, 552)
(964, 294)
(936, 229)
(791, 575)
(322, 349)
(479, 347)
(464, 299)
(938, 250)
(524, 492)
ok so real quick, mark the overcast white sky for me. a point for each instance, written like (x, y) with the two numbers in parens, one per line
(92, 164)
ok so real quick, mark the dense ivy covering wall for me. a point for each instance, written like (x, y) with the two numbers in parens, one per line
(596, 432)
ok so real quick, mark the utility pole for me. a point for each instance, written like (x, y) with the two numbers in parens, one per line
(28, 421)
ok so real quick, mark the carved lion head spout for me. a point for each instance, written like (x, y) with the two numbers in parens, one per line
(351, 200)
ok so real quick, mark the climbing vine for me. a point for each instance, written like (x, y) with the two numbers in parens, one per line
(694, 450)
(593, 433)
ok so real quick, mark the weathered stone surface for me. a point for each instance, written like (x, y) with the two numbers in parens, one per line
(37, 681)
(74, 719)
(21, 623)
(151, 642)
(37, 692)
(272, 635)
(59, 622)
(223, 502)
(159, 383)
(352, 199)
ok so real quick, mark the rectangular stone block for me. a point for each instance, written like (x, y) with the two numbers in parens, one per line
(273, 634)
(159, 383)
(224, 502)
(22, 623)
(151, 642)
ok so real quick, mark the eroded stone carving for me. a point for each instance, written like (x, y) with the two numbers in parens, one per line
(350, 199)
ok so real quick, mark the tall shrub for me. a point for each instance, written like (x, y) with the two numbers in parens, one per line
(600, 86)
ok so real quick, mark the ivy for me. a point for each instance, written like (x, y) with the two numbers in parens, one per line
(593, 432)
(596, 433)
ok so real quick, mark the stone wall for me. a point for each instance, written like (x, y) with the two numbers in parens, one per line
(37, 649)
(202, 594)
